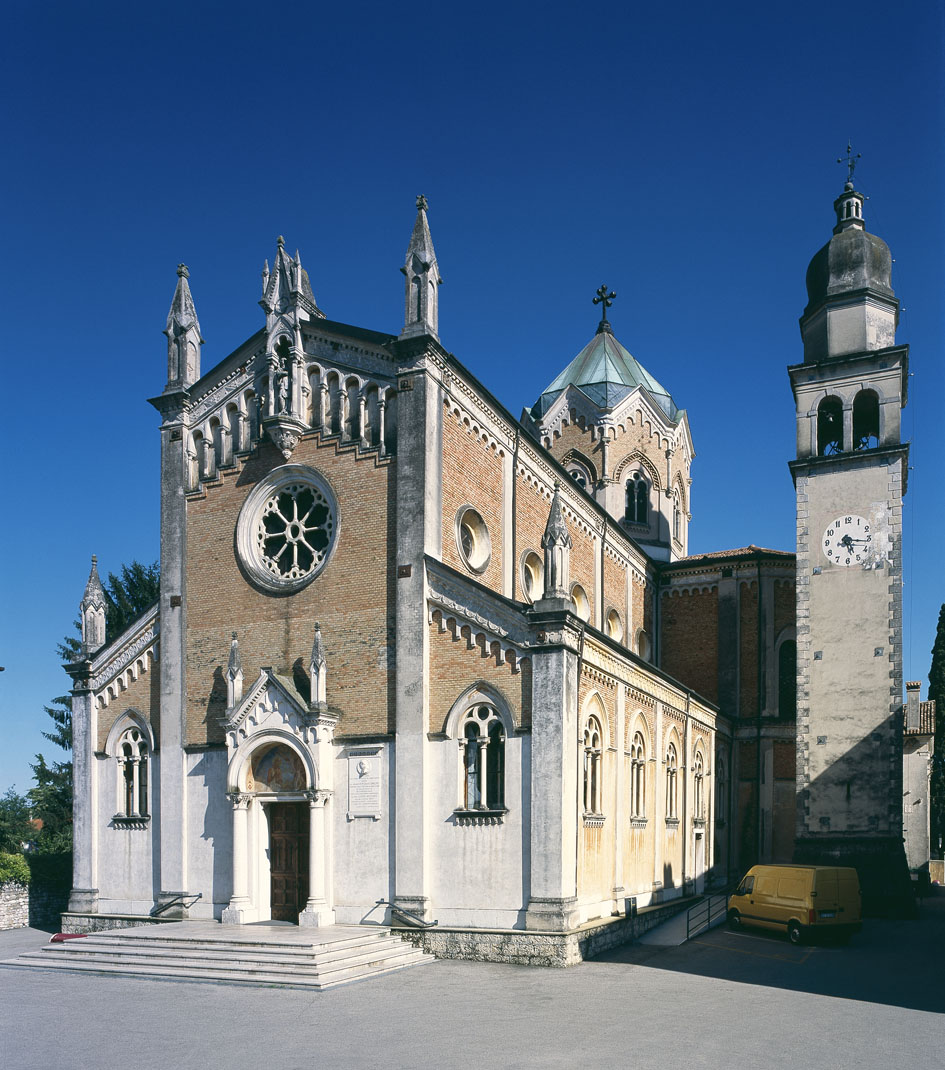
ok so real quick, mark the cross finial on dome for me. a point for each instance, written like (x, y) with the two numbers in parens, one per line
(606, 300)
(850, 161)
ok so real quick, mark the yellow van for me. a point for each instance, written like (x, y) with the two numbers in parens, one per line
(798, 900)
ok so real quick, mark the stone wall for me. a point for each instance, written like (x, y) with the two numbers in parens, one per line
(14, 906)
(527, 948)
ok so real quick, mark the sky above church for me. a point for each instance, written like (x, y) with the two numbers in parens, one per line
(682, 154)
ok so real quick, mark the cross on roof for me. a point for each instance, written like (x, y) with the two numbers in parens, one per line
(850, 161)
(604, 298)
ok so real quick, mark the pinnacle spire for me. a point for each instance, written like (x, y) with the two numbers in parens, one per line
(234, 675)
(92, 611)
(286, 289)
(423, 278)
(557, 543)
(183, 335)
(318, 671)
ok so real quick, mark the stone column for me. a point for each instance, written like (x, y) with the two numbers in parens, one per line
(317, 910)
(362, 421)
(847, 428)
(237, 911)
(621, 817)
(552, 903)
(381, 414)
(84, 895)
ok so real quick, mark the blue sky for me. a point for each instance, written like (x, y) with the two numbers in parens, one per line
(682, 154)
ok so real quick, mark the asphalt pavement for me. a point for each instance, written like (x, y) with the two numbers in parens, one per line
(720, 1001)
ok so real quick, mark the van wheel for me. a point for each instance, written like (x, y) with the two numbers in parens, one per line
(794, 932)
(734, 920)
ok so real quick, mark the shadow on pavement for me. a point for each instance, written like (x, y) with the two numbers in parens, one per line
(893, 962)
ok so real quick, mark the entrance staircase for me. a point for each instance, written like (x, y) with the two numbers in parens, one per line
(271, 955)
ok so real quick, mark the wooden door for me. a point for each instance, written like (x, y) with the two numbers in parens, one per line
(288, 859)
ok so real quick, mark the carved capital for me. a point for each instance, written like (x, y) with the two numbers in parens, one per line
(239, 800)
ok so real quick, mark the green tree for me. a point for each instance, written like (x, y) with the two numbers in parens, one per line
(15, 827)
(129, 594)
(937, 694)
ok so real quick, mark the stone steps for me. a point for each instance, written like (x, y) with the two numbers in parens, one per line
(285, 957)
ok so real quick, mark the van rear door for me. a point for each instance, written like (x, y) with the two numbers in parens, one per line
(826, 902)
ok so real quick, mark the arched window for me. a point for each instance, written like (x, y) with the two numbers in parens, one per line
(132, 753)
(698, 787)
(830, 427)
(672, 769)
(865, 420)
(677, 517)
(533, 576)
(482, 745)
(582, 607)
(593, 749)
(637, 499)
(787, 679)
(638, 777)
(614, 625)
(579, 476)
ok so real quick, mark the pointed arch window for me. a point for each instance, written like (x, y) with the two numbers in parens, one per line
(698, 788)
(133, 755)
(638, 777)
(482, 747)
(677, 517)
(593, 751)
(637, 499)
(721, 791)
(672, 773)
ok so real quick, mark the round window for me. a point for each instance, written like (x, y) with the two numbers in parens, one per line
(614, 626)
(533, 576)
(286, 528)
(472, 538)
(581, 605)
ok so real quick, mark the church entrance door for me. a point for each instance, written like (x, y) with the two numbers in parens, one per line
(288, 859)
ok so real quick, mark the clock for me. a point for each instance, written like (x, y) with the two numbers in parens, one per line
(848, 540)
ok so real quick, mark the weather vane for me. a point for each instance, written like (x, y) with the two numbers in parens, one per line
(604, 298)
(850, 161)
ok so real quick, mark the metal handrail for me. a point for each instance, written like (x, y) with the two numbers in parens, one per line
(193, 896)
(407, 915)
(705, 912)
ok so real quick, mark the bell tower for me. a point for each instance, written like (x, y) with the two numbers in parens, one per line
(850, 478)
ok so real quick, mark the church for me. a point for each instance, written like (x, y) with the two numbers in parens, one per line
(418, 659)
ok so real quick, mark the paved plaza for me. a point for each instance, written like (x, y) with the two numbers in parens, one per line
(722, 1000)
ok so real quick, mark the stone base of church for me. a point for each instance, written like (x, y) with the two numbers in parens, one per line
(79, 922)
(880, 861)
(525, 947)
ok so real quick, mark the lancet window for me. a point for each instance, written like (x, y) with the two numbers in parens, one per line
(132, 774)
(593, 752)
(482, 744)
(637, 499)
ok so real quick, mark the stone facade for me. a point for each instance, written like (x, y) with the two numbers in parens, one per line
(413, 654)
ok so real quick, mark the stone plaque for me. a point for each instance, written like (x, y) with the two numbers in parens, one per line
(364, 783)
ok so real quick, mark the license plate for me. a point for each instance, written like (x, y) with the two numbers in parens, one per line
(828, 914)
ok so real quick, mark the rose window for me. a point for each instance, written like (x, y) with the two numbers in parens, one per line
(294, 531)
(287, 528)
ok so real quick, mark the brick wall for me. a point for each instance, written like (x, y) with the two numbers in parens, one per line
(454, 668)
(748, 648)
(784, 605)
(143, 695)
(352, 598)
(689, 640)
(472, 475)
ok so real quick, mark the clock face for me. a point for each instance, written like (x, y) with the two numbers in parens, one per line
(848, 541)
